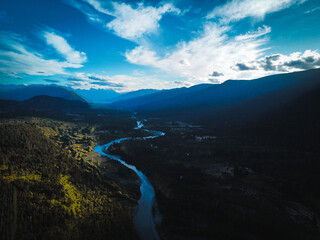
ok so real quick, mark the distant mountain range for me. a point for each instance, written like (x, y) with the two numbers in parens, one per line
(97, 95)
(134, 94)
(160, 99)
(283, 102)
(22, 92)
(108, 95)
(210, 99)
(282, 97)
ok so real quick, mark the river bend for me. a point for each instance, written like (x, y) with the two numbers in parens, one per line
(143, 215)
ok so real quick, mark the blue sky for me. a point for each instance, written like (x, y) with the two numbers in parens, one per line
(129, 45)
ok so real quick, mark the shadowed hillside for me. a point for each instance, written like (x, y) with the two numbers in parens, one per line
(20, 92)
(210, 100)
(235, 104)
(42, 103)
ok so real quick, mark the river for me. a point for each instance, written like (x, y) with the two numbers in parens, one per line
(143, 215)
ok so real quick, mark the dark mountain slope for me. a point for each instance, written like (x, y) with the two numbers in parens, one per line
(4, 87)
(134, 94)
(293, 123)
(232, 99)
(44, 103)
(22, 93)
(158, 100)
(230, 93)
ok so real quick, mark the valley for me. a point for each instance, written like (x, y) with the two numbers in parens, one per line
(159, 120)
(230, 169)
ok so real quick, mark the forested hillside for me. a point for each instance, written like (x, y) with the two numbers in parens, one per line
(49, 190)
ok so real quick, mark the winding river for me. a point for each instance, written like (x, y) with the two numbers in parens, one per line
(143, 215)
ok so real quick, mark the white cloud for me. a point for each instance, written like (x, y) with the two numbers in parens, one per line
(132, 23)
(312, 10)
(238, 9)
(283, 63)
(143, 56)
(212, 51)
(97, 5)
(16, 58)
(254, 34)
(129, 22)
(62, 47)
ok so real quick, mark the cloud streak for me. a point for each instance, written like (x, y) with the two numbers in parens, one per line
(98, 6)
(63, 48)
(17, 58)
(312, 10)
(236, 10)
(254, 34)
(83, 80)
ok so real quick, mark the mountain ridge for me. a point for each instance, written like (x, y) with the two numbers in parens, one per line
(21, 92)
(231, 91)
(44, 103)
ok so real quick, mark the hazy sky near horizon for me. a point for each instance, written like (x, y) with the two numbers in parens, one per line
(129, 45)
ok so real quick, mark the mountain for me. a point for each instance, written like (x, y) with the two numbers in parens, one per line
(108, 95)
(134, 94)
(97, 95)
(4, 87)
(282, 105)
(21, 92)
(210, 100)
(155, 101)
(44, 103)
